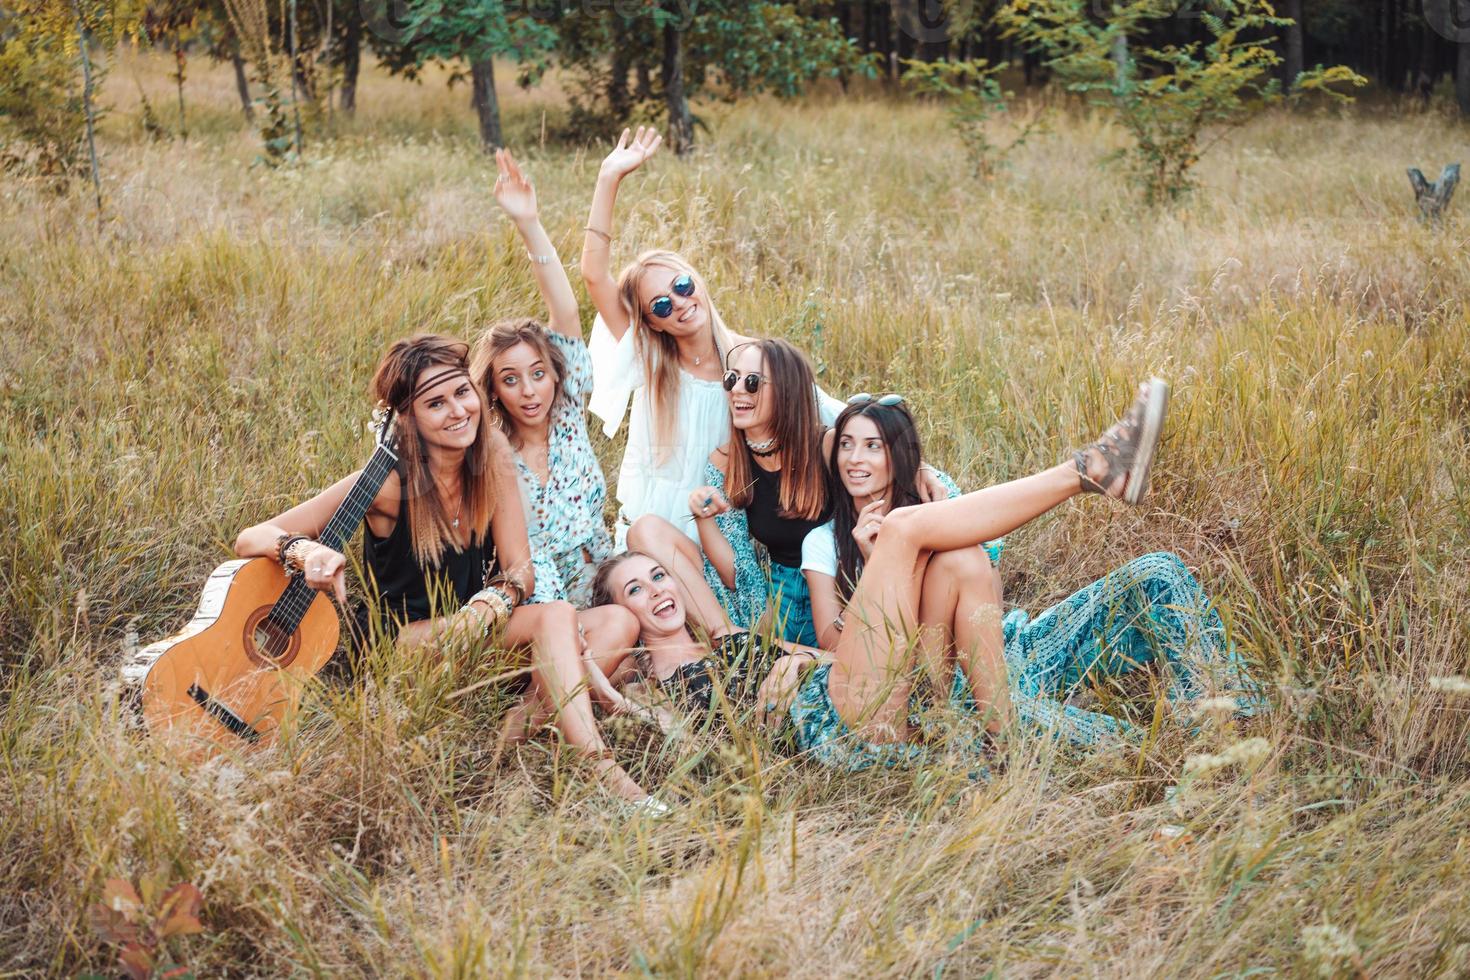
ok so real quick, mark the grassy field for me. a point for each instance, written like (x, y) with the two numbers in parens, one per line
(201, 359)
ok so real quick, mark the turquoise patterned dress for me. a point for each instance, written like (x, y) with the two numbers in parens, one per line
(564, 515)
(746, 601)
(1148, 609)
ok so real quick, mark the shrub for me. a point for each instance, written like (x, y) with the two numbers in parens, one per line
(1168, 96)
(971, 95)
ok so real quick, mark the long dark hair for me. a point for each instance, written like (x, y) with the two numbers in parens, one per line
(901, 441)
(793, 388)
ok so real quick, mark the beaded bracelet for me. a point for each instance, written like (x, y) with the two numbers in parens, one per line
(500, 606)
(538, 259)
(284, 544)
(296, 552)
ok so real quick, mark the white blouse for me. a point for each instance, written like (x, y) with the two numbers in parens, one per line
(647, 485)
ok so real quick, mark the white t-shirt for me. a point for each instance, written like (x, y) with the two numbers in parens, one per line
(819, 551)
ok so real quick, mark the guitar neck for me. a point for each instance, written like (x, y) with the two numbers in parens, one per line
(352, 510)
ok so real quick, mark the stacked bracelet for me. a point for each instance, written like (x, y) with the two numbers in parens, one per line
(289, 551)
(296, 552)
(500, 605)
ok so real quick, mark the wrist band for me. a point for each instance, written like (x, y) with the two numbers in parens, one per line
(287, 551)
(500, 606)
(538, 259)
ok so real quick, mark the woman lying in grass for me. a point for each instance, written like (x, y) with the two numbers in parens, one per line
(447, 528)
(1149, 605)
(851, 709)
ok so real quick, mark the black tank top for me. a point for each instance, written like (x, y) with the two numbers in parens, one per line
(782, 536)
(404, 587)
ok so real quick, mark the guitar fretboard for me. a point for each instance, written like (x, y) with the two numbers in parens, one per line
(291, 607)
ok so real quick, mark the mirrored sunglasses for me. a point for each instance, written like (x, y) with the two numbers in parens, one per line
(663, 306)
(887, 401)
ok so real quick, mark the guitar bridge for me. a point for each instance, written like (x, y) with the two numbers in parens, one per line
(236, 725)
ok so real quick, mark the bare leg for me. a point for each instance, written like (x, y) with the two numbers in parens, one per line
(682, 559)
(873, 651)
(960, 602)
(559, 683)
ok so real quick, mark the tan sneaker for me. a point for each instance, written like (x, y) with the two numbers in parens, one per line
(1118, 463)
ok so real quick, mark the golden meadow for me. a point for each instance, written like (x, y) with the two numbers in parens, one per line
(200, 361)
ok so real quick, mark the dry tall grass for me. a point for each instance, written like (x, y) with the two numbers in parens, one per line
(202, 360)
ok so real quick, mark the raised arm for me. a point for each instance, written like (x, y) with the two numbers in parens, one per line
(627, 156)
(517, 198)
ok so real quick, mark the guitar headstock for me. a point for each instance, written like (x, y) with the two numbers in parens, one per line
(384, 422)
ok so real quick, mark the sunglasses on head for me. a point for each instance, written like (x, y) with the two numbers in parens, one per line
(663, 306)
(887, 401)
(752, 381)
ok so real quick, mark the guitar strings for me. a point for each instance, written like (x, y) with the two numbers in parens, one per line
(288, 611)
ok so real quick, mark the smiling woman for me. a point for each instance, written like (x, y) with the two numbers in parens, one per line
(446, 532)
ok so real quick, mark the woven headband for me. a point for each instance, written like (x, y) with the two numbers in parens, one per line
(435, 379)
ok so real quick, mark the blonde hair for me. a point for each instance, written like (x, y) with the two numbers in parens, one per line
(659, 351)
(430, 523)
(501, 337)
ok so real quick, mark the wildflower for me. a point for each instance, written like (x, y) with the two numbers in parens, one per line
(1211, 706)
(1247, 754)
(1328, 948)
(1450, 685)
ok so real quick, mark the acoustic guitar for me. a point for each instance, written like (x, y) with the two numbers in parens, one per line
(233, 676)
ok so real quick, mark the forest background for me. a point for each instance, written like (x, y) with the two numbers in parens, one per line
(214, 217)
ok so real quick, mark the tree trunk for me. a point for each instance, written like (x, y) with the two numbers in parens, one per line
(351, 60)
(644, 91)
(1295, 60)
(242, 85)
(84, 38)
(487, 106)
(1462, 73)
(179, 63)
(295, 76)
(1428, 68)
(619, 99)
(1122, 73)
(681, 124)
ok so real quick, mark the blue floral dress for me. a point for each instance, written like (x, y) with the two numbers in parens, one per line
(1151, 607)
(564, 515)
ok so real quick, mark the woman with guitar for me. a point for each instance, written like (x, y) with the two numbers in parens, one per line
(445, 547)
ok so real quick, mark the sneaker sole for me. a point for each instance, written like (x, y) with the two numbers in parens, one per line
(1156, 406)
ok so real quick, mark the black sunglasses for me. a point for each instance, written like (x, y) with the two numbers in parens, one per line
(887, 401)
(663, 306)
(752, 381)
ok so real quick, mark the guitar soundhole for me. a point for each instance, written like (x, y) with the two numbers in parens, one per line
(267, 643)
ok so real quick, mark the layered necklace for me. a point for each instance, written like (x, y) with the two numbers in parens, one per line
(763, 449)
